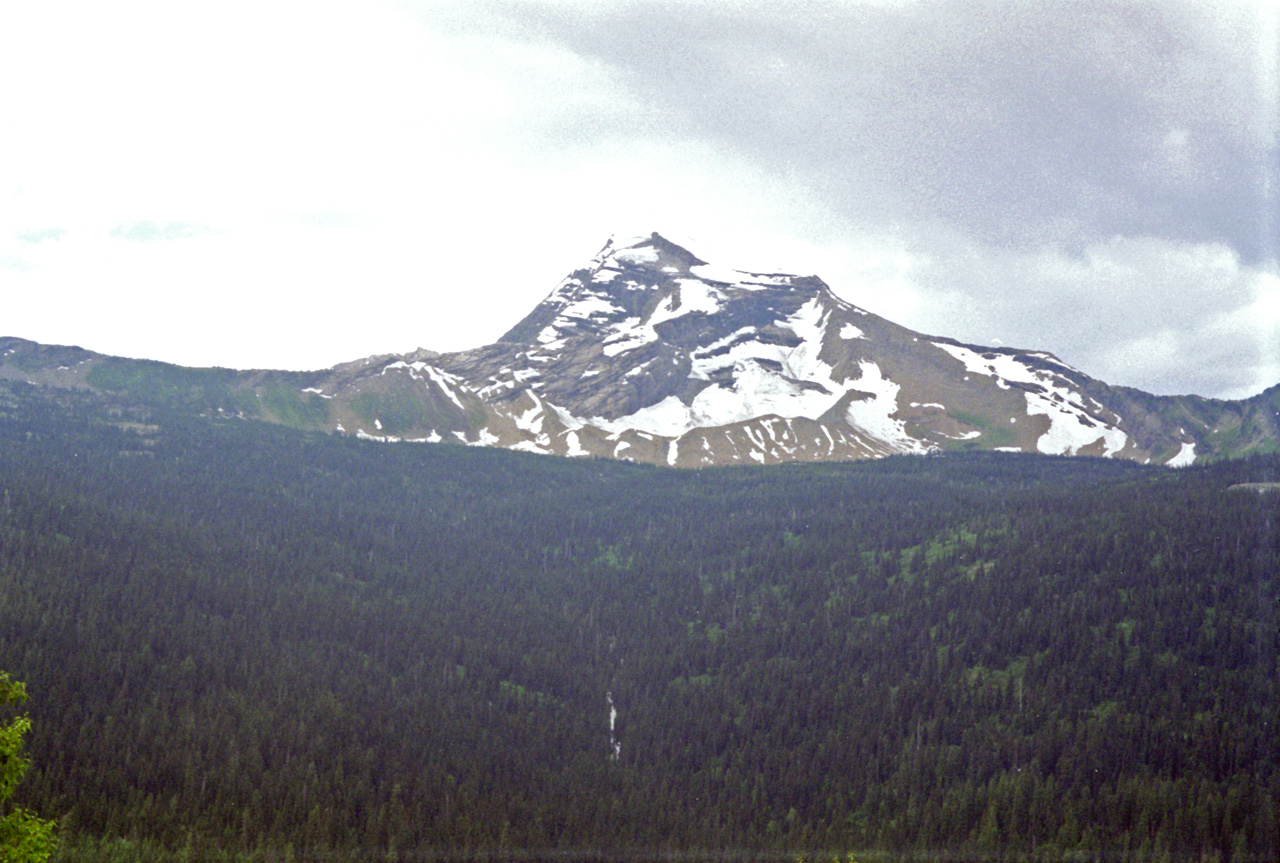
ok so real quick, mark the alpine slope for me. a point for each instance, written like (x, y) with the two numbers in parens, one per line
(652, 354)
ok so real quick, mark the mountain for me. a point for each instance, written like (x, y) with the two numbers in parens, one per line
(651, 354)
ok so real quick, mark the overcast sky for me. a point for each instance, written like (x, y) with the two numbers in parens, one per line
(293, 185)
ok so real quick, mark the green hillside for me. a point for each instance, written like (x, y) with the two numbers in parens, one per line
(247, 642)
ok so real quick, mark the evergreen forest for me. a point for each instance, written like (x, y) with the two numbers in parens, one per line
(245, 642)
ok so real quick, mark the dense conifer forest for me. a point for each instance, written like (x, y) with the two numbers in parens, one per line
(245, 642)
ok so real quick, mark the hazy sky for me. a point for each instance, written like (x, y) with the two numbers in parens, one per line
(293, 185)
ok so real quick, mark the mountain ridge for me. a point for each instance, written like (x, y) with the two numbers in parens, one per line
(651, 354)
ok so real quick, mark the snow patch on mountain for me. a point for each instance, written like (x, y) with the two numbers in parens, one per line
(717, 355)
(1003, 367)
(1073, 424)
(810, 324)
(568, 420)
(691, 296)
(420, 371)
(668, 418)
(716, 273)
(629, 335)
(573, 446)
(1070, 428)
(484, 437)
(1186, 456)
(756, 281)
(757, 391)
(696, 296)
(548, 336)
(531, 419)
(1048, 357)
(446, 382)
(636, 254)
(765, 379)
(875, 415)
(589, 305)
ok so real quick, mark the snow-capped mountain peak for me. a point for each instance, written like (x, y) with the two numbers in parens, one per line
(648, 352)
(654, 250)
(651, 340)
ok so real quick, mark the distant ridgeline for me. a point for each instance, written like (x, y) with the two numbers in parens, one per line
(651, 355)
(243, 641)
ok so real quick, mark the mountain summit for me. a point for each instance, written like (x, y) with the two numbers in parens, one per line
(652, 354)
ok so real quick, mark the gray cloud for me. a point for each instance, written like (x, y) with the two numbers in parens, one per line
(1021, 122)
(1090, 177)
(1161, 316)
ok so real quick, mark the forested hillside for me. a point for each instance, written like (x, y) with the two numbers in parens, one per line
(242, 640)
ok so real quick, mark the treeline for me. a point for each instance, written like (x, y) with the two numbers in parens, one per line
(246, 642)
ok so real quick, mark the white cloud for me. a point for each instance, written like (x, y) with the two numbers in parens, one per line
(325, 185)
(298, 184)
